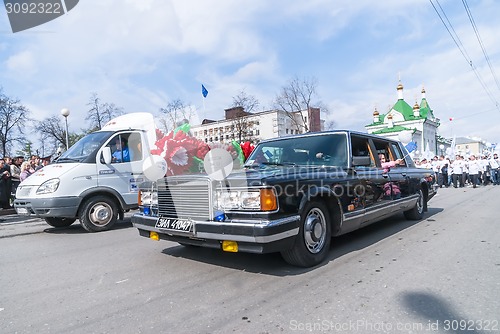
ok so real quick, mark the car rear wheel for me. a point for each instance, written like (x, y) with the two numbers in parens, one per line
(312, 244)
(98, 213)
(59, 222)
(417, 212)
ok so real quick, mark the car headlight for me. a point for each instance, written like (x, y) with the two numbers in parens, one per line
(48, 187)
(258, 200)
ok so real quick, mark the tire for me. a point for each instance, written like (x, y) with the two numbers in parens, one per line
(312, 244)
(417, 212)
(59, 222)
(98, 213)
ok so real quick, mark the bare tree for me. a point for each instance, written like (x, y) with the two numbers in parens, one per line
(174, 113)
(249, 103)
(240, 125)
(52, 132)
(100, 113)
(295, 97)
(13, 119)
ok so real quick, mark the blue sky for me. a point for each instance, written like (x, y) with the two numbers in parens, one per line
(142, 54)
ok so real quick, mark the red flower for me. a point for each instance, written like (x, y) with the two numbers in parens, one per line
(179, 151)
(247, 148)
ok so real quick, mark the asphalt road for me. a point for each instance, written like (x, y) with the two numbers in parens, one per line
(438, 275)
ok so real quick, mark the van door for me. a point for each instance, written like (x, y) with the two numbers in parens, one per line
(125, 172)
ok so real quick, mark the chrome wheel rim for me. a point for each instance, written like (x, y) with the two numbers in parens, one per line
(315, 230)
(420, 202)
(101, 214)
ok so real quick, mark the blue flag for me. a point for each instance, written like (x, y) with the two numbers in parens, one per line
(411, 146)
(204, 91)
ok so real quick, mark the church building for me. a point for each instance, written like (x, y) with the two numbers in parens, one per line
(408, 124)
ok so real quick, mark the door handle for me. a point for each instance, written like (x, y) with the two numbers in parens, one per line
(404, 174)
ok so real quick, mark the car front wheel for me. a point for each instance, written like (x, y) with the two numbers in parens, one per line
(98, 213)
(312, 244)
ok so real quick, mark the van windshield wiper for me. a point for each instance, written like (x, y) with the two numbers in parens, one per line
(67, 159)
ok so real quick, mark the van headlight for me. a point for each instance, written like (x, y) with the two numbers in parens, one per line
(48, 187)
(255, 200)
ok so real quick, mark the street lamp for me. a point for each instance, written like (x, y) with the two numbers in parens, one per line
(65, 113)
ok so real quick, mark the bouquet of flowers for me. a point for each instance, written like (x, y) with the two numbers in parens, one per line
(184, 153)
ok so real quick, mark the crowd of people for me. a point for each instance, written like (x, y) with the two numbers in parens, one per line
(15, 170)
(460, 172)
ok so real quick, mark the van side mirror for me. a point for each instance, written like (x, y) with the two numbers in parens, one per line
(361, 161)
(106, 155)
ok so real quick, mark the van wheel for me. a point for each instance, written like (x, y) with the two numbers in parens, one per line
(312, 244)
(417, 212)
(59, 222)
(98, 214)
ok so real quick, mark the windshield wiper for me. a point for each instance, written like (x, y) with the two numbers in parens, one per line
(67, 159)
(268, 163)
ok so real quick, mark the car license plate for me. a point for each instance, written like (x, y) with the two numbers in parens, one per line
(175, 224)
(22, 211)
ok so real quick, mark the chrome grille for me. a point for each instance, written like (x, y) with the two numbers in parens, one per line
(182, 197)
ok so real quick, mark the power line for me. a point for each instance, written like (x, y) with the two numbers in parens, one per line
(473, 23)
(462, 49)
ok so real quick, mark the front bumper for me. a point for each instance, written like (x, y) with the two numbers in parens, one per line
(64, 207)
(252, 236)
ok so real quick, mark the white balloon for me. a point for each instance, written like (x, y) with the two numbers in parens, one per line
(154, 167)
(218, 164)
(405, 136)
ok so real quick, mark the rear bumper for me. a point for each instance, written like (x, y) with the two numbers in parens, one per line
(253, 236)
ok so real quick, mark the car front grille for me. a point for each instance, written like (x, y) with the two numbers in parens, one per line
(183, 197)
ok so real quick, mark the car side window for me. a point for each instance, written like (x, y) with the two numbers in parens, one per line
(398, 154)
(360, 147)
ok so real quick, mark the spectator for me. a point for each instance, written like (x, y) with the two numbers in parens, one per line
(15, 172)
(44, 162)
(495, 165)
(4, 185)
(474, 168)
(25, 170)
(444, 163)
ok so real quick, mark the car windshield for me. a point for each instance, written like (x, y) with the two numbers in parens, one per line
(85, 147)
(318, 150)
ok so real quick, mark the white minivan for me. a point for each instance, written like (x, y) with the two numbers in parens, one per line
(93, 181)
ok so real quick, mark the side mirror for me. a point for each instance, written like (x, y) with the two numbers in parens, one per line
(106, 155)
(361, 161)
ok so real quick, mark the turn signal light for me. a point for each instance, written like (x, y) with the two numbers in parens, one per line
(268, 200)
(230, 246)
(154, 235)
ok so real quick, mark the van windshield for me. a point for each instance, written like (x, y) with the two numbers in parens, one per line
(85, 148)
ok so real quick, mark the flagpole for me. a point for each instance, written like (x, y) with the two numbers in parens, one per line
(204, 114)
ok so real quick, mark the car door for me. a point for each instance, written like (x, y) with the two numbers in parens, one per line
(125, 175)
(366, 194)
(399, 175)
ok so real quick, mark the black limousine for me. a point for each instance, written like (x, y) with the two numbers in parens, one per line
(292, 195)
